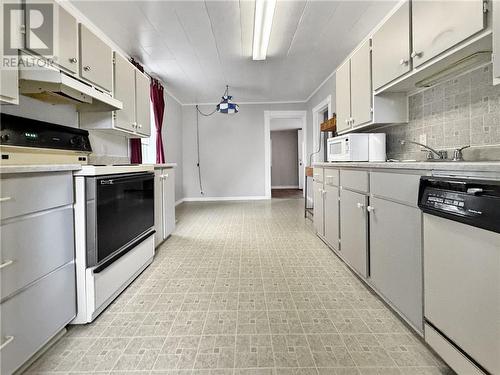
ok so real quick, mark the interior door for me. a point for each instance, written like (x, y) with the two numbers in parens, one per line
(124, 90)
(332, 216)
(354, 230)
(143, 105)
(96, 59)
(343, 96)
(318, 208)
(300, 153)
(391, 47)
(66, 45)
(361, 85)
(440, 25)
(396, 256)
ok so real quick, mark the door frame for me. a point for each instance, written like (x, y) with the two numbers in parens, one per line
(320, 107)
(268, 116)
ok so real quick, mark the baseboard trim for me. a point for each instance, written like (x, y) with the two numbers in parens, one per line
(179, 202)
(285, 187)
(214, 199)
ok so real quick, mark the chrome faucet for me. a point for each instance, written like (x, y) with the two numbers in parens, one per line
(457, 153)
(441, 155)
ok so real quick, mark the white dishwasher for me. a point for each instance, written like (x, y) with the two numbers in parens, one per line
(462, 271)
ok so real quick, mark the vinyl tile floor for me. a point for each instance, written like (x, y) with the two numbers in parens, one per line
(243, 288)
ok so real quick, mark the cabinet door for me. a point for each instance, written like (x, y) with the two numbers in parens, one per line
(158, 207)
(168, 201)
(343, 96)
(142, 109)
(354, 230)
(496, 43)
(331, 209)
(9, 90)
(318, 208)
(361, 85)
(124, 91)
(96, 59)
(440, 25)
(396, 256)
(66, 41)
(391, 48)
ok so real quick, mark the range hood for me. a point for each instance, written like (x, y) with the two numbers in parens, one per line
(44, 82)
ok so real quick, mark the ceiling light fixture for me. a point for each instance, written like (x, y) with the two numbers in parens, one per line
(263, 22)
(226, 105)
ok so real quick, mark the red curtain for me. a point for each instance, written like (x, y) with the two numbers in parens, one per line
(135, 143)
(156, 93)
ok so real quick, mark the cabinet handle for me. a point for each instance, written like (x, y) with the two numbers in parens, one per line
(416, 54)
(360, 205)
(370, 209)
(73, 60)
(166, 176)
(139, 125)
(347, 121)
(86, 68)
(5, 199)
(403, 62)
(6, 263)
(8, 340)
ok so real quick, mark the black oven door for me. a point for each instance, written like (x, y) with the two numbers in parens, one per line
(124, 212)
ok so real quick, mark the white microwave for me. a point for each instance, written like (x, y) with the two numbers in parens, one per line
(357, 147)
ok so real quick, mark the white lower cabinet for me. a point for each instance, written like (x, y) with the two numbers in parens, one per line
(164, 203)
(396, 256)
(319, 208)
(331, 216)
(354, 230)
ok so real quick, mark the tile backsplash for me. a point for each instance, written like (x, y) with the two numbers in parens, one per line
(462, 111)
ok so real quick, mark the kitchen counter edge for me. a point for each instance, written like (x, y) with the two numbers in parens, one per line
(38, 168)
(479, 166)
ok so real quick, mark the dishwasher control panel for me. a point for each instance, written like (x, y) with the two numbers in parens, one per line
(473, 202)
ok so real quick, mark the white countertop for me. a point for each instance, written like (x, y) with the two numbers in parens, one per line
(34, 168)
(467, 166)
(101, 170)
(164, 165)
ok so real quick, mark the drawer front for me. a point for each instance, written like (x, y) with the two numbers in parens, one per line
(318, 174)
(331, 177)
(356, 180)
(399, 187)
(36, 245)
(35, 315)
(31, 192)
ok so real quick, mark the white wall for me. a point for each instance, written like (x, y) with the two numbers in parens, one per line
(231, 149)
(285, 166)
(172, 140)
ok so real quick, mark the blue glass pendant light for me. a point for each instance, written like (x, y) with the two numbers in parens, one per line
(226, 105)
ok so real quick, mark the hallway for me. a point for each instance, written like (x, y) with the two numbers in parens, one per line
(243, 288)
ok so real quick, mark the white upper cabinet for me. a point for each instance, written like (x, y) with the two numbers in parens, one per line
(124, 91)
(440, 25)
(343, 96)
(9, 88)
(361, 86)
(142, 106)
(66, 41)
(96, 59)
(391, 47)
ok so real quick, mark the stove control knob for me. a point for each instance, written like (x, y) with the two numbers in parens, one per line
(4, 138)
(76, 141)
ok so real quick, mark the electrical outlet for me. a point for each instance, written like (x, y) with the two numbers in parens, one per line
(423, 138)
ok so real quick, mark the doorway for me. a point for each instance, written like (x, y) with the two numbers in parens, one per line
(293, 122)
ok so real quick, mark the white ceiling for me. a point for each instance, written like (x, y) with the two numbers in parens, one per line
(197, 47)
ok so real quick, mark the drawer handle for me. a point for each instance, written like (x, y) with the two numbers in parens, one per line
(8, 340)
(6, 263)
(86, 68)
(5, 199)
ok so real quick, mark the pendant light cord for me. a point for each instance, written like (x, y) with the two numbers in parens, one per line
(198, 113)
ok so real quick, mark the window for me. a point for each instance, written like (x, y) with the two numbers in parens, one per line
(149, 144)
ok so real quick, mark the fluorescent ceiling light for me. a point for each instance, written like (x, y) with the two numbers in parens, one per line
(263, 22)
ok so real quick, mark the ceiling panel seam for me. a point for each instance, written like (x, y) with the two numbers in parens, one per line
(297, 27)
(215, 40)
